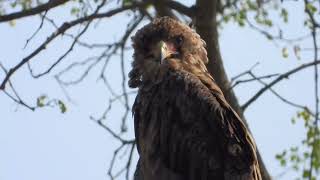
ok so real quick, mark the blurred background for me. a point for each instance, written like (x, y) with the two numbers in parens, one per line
(66, 107)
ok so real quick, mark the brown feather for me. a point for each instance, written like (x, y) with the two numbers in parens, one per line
(184, 127)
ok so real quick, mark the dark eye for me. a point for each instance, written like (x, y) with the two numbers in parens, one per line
(179, 40)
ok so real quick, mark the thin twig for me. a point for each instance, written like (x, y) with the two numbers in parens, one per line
(277, 80)
(33, 11)
(37, 30)
(61, 30)
(18, 100)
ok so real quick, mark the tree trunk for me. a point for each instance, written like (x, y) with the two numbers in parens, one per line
(206, 27)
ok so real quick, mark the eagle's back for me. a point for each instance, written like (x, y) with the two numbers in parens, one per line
(186, 131)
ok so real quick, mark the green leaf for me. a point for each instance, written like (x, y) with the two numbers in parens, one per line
(278, 156)
(295, 167)
(311, 8)
(294, 149)
(316, 152)
(12, 23)
(251, 5)
(75, 11)
(240, 20)
(13, 4)
(297, 51)
(283, 162)
(304, 115)
(40, 100)
(306, 173)
(268, 22)
(241, 23)
(293, 120)
(26, 4)
(126, 2)
(242, 14)
(284, 15)
(281, 158)
(62, 106)
(226, 18)
(285, 52)
(269, 37)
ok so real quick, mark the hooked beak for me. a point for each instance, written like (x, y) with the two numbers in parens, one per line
(167, 50)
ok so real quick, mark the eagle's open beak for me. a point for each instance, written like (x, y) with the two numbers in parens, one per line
(167, 50)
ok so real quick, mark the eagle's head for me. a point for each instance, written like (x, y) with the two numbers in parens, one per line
(165, 44)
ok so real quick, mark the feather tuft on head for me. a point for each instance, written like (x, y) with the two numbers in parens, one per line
(185, 50)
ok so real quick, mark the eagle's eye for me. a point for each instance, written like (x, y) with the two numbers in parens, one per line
(179, 40)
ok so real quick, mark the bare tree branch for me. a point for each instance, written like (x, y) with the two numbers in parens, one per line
(37, 30)
(189, 11)
(124, 74)
(277, 80)
(279, 37)
(62, 29)
(18, 100)
(93, 60)
(33, 11)
(253, 79)
(61, 57)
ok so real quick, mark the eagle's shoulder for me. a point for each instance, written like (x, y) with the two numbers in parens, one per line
(182, 112)
(187, 84)
(199, 99)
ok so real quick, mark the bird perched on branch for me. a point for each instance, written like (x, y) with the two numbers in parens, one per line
(184, 127)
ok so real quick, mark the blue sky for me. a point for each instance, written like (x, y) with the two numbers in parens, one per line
(46, 144)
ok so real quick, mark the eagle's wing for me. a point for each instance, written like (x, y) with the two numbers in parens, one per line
(184, 131)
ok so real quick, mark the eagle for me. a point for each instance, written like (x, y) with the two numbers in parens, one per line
(184, 127)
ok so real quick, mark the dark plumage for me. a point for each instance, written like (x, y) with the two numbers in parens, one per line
(185, 129)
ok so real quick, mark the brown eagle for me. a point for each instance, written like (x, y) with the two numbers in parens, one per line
(184, 128)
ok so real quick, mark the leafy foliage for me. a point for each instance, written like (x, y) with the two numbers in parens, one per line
(44, 101)
(239, 11)
(306, 158)
(81, 8)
